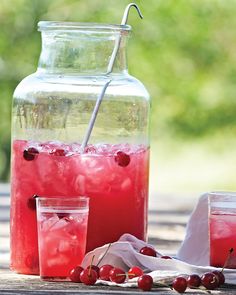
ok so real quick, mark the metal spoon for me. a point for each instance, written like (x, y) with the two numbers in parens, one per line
(109, 70)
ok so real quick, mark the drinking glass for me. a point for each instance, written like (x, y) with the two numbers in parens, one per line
(222, 229)
(62, 233)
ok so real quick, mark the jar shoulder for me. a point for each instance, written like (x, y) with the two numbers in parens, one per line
(39, 84)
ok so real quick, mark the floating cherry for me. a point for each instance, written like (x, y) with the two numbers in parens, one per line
(58, 152)
(122, 159)
(30, 153)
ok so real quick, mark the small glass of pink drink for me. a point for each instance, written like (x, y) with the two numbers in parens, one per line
(222, 229)
(62, 233)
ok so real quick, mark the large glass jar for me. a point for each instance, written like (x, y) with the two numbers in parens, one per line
(51, 112)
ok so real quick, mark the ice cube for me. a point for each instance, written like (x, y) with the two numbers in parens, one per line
(48, 223)
(59, 260)
(80, 184)
(64, 246)
(126, 184)
(59, 224)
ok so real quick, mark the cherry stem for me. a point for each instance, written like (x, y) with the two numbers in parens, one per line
(231, 250)
(90, 267)
(99, 261)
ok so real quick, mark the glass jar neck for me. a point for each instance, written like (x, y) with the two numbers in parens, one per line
(82, 52)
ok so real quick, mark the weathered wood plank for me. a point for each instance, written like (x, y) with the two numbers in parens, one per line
(11, 283)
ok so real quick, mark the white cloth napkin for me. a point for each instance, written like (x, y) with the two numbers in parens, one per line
(192, 257)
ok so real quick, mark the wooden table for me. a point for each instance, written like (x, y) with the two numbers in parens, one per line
(166, 231)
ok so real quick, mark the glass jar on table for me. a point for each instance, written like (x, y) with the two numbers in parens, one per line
(51, 112)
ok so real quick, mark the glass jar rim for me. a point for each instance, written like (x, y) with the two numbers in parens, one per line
(80, 26)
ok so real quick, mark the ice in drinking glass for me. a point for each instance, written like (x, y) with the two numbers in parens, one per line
(62, 241)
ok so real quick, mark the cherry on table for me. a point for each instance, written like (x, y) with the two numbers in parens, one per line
(148, 251)
(117, 275)
(145, 282)
(31, 202)
(135, 271)
(166, 257)
(88, 276)
(209, 280)
(193, 281)
(220, 276)
(179, 284)
(75, 274)
(122, 159)
(95, 268)
(104, 272)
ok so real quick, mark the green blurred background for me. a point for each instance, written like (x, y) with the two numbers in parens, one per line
(183, 51)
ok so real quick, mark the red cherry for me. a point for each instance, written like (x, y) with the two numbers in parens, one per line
(90, 149)
(135, 271)
(145, 282)
(58, 152)
(166, 257)
(88, 276)
(193, 281)
(104, 272)
(210, 281)
(148, 251)
(30, 153)
(117, 275)
(95, 268)
(180, 284)
(122, 159)
(75, 274)
(220, 276)
(31, 202)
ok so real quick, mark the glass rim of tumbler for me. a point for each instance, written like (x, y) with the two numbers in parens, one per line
(81, 26)
(222, 199)
(62, 203)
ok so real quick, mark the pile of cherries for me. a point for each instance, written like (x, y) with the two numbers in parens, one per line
(107, 272)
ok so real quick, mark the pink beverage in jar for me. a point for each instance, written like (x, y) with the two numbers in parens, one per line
(222, 229)
(115, 177)
(62, 232)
